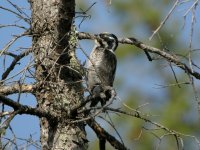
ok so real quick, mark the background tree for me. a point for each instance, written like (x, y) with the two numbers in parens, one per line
(161, 93)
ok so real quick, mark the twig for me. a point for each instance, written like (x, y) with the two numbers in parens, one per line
(173, 84)
(7, 46)
(191, 7)
(104, 134)
(84, 16)
(176, 79)
(113, 126)
(164, 21)
(14, 62)
(138, 115)
(18, 9)
(6, 123)
(13, 25)
(17, 14)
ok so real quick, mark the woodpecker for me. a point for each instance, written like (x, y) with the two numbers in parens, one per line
(101, 67)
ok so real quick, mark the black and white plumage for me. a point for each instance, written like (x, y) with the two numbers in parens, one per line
(102, 66)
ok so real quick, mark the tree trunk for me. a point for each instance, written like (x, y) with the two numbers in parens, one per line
(57, 69)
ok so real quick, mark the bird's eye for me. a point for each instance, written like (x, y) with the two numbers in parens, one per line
(101, 35)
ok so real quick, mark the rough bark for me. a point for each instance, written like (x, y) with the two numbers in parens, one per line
(58, 70)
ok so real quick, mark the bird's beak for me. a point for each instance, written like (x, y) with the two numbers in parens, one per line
(97, 37)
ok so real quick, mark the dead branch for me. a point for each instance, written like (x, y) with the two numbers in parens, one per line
(24, 109)
(18, 88)
(14, 62)
(133, 41)
(12, 25)
(137, 114)
(166, 18)
(27, 20)
(6, 123)
(11, 42)
(101, 133)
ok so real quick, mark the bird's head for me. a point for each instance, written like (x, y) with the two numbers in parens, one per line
(107, 40)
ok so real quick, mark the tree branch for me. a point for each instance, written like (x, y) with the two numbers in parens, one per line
(24, 109)
(133, 41)
(6, 123)
(137, 114)
(18, 88)
(102, 134)
(14, 62)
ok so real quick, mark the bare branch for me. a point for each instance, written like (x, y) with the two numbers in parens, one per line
(8, 45)
(84, 35)
(24, 109)
(17, 14)
(137, 114)
(176, 79)
(100, 132)
(164, 21)
(6, 123)
(191, 7)
(2, 114)
(133, 41)
(14, 62)
(10, 54)
(18, 9)
(84, 14)
(113, 126)
(16, 88)
(11, 42)
(13, 25)
(173, 84)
